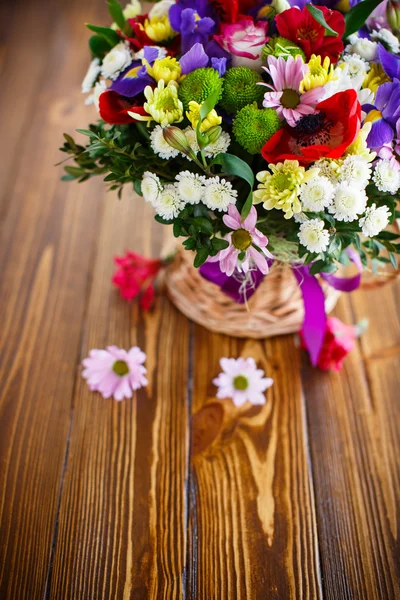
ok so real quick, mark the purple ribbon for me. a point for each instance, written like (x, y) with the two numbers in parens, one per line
(314, 324)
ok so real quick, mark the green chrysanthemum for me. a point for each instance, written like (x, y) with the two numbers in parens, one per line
(280, 46)
(241, 89)
(253, 127)
(198, 85)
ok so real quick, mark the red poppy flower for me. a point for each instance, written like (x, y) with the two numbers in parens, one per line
(114, 108)
(327, 133)
(300, 27)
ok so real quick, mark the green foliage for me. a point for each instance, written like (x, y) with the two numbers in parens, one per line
(116, 13)
(281, 46)
(199, 85)
(99, 46)
(357, 16)
(319, 17)
(253, 127)
(240, 89)
(107, 33)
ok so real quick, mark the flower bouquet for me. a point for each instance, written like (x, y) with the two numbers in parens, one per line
(267, 134)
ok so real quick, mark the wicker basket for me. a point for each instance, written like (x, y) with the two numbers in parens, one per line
(274, 309)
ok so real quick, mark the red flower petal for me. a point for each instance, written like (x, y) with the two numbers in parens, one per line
(114, 108)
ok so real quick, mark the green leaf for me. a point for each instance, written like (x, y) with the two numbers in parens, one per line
(233, 165)
(86, 132)
(75, 171)
(177, 228)
(106, 32)
(204, 225)
(209, 103)
(137, 185)
(247, 206)
(219, 244)
(357, 16)
(320, 266)
(393, 260)
(162, 221)
(201, 257)
(116, 13)
(388, 235)
(319, 17)
(99, 46)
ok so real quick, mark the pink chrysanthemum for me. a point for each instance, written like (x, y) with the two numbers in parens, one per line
(285, 96)
(242, 241)
(115, 372)
(242, 381)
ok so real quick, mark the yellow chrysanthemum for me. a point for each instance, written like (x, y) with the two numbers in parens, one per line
(359, 146)
(159, 29)
(280, 188)
(319, 74)
(167, 68)
(375, 77)
(163, 103)
(193, 115)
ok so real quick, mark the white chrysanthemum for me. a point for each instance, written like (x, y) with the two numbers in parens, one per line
(161, 9)
(220, 145)
(116, 61)
(169, 204)
(92, 74)
(132, 9)
(190, 186)
(356, 65)
(348, 203)
(191, 137)
(343, 81)
(151, 187)
(386, 178)
(386, 36)
(300, 217)
(355, 171)
(328, 169)
(160, 145)
(219, 194)
(317, 194)
(313, 236)
(364, 48)
(98, 89)
(374, 220)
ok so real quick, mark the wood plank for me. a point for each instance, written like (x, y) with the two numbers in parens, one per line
(122, 517)
(47, 243)
(354, 450)
(252, 522)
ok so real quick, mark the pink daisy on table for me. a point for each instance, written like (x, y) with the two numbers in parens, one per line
(246, 244)
(115, 372)
(241, 381)
(285, 97)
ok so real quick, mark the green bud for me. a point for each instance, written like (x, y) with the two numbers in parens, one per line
(393, 15)
(214, 133)
(176, 138)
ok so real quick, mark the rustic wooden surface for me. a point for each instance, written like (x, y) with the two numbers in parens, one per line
(173, 494)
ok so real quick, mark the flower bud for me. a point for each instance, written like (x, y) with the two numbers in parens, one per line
(177, 139)
(280, 5)
(393, 15)
(214, 134)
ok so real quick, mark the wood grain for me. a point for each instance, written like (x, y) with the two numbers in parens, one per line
(252, 521)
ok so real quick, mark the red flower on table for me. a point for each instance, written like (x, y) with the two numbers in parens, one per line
(325, 134)
(300, 27)
(135, 276)
(338, 342)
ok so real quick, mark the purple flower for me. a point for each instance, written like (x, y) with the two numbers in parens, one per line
(195, 20)
(219, 64)
(195, 58)
(384, 114)
(135, 78)
(389, 62)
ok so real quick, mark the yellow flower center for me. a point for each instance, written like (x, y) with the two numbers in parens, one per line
(372, 116)
(241, 239)
(281, 182)
(120, 367)
(241, 383)
(290, 98)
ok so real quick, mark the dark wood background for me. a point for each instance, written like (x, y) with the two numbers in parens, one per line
(173, 494)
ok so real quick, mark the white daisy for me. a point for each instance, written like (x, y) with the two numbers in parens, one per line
(356, 65)
(190, 187)
(386, 178)
(161, 9)
(329, 169)
(92, 74)
(364, 48)
(355, 170)
(387, 37)
(317, 194)
(348, 203)
(374, 220)
(220, 145)
(151, 187)
(241, 381)
(98, 89)
(300, 217)
(160, 145)
(132, 9)
(116, 61)
(169, 204)
(313, 236)
(219, 194)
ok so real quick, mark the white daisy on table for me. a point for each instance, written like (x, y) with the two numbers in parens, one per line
(313, 236)
(169, 203)
(190, 187)
(160, 145)
(118, 59)
(375, 220)
(317, 194)
(349, 202)
(386, 177)
(219, 194)
(241, 381)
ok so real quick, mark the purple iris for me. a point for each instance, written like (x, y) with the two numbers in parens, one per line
(384, 114)
(389, 62)
(135, 78)
(195, 20)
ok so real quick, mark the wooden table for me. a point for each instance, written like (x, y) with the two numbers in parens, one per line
(173, 494)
